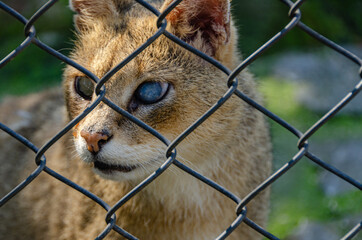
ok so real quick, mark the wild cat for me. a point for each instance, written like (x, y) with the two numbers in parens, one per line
(168, 88)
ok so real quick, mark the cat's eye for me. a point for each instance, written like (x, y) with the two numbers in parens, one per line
(151, 92)
(84, 87)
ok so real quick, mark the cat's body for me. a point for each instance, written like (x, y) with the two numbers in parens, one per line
(232, 147)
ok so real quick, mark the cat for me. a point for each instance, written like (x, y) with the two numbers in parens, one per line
(168, 88)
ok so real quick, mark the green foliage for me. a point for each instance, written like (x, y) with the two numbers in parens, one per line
(259, 20)
(57, 18)
(297, 196)
(280, 98)
(33, 69)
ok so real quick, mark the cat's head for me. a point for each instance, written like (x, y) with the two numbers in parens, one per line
(165, 85)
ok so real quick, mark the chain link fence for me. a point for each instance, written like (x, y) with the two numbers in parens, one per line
(231, 81)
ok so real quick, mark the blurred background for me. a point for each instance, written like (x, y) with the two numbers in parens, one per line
(300, 78)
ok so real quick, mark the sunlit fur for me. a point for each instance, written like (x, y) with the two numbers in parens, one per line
(232, 147)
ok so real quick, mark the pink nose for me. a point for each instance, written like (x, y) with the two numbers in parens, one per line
(94, 140)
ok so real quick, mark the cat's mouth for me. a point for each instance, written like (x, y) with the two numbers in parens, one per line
(109, 168)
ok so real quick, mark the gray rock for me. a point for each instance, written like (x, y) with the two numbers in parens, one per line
(324, 76)
(313, 231)
(332, 230)
(345, 156)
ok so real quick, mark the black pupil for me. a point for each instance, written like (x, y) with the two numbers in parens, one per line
(85, 87)
(149, 92)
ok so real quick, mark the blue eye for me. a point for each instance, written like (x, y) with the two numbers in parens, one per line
(151, 92)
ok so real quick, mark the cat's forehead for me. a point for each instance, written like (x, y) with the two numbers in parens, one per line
(105, 48)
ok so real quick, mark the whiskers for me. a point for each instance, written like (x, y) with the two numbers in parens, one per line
(174, 169)
(187, 162)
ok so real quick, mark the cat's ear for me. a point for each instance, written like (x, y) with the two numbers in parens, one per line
(89, 10)
(205, 24)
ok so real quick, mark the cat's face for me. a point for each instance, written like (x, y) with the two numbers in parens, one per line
(165, 86)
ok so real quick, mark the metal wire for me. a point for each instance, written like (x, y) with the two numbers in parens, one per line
(230, 81)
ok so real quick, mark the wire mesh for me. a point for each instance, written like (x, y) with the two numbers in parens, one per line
(231, 82)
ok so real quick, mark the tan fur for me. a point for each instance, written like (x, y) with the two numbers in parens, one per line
(232, 147)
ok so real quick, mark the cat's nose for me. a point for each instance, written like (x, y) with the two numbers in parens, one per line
(95, 140)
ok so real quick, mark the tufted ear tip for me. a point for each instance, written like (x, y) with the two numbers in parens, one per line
(202, 23)
(71, 6)
(89, 10)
